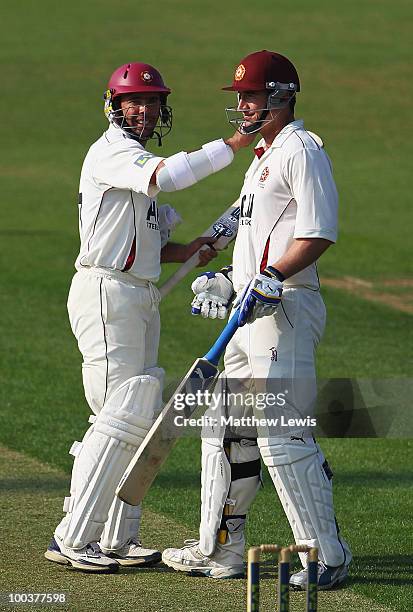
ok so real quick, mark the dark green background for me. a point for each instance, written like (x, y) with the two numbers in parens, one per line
(353, 59)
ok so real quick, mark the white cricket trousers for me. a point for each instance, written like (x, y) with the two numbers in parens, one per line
(116, 324)
(276, 354)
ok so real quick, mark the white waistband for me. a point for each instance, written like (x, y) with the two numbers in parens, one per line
(116, 274)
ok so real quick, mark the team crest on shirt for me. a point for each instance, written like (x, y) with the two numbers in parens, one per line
(239, 73)
(146, 76)
(264, 175)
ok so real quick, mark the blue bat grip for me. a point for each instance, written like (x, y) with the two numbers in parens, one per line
(215, 352)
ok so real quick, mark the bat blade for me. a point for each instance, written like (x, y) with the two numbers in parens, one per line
(224, 230)
(162, 436)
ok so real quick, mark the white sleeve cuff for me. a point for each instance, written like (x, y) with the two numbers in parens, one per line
(219, 154)
(327, 234)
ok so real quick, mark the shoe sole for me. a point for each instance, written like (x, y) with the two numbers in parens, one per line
(143, 562)
(209, 574)
(327, 587)
(204, 572)
(57, 557)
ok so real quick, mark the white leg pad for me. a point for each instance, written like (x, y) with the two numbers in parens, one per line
(215, 483)
(159, 374)
(124, 520)
(227, 491)
(106, 451)
(122, 525)
(305, 493)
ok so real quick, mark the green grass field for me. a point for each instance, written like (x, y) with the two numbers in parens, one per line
(353, 59)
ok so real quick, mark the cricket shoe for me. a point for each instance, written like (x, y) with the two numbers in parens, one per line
(87, 559)
(133, 555)
(221, 564)
(328, 577)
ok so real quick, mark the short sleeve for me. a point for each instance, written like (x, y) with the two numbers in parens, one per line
(309, 174)
(130, 168)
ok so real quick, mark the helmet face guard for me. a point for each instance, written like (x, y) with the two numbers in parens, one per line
(138, 78)
(278, 98)
(118, 117)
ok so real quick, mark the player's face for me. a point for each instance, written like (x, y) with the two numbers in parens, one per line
(141, 112)
(251, 104)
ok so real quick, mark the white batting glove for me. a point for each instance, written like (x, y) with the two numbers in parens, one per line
(213, 293)
(168, 218)
(261, 296)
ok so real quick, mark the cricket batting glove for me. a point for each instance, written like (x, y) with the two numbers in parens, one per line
(261, 296)
(213, 294)
(169, 218)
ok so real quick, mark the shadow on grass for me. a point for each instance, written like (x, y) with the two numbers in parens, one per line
(178, 480)
(369, 478)
(382, 569)
(33, 484)
(365, 478)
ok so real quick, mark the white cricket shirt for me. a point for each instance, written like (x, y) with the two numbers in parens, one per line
(118, 214)
(288, 192)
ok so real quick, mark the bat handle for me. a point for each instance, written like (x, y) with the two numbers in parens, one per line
(215, 352)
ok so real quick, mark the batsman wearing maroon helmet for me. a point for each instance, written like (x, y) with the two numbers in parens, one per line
(288, 219)
(113, 309)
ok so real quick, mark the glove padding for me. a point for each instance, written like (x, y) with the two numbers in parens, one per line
(259, 299)
(213, 292)
(168, 218)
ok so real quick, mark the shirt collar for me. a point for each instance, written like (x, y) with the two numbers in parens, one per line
(259, 151)
(114, 133)
(279, 140)
(286, 132)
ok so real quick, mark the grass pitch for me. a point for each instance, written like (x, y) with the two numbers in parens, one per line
(353, 59)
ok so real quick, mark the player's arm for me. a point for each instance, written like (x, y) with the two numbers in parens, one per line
(179, 253)
(301, 253)
(185, 169)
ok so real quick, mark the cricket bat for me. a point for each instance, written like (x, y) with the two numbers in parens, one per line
(224, 229)
(154, 450)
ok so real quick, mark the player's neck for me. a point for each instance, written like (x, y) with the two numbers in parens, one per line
(271, 130)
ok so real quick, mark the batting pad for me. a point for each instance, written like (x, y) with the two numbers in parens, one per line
(228, 487)
(215, 483)
(103, 456)
(305, 493)
(123, 524)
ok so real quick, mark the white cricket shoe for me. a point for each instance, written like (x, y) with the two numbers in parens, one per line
(133, 555)
(87, 559)
(328, 577)
(221, 564)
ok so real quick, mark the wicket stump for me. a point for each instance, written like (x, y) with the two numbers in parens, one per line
(284, 557)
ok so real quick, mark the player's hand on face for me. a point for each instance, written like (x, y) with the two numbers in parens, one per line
(239, 141)
(259, 299)
(213, 293)
(208, 252)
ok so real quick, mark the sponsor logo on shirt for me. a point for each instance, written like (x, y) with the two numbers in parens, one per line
(152, 219)
(246, 209)
(142, 159)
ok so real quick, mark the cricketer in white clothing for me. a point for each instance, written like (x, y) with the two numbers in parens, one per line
(288, 219)
(113, 309)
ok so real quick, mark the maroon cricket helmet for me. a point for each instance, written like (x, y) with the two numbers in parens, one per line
(136, 77)
(262, 70)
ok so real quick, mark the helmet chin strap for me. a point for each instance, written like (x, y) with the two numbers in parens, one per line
(159, 137)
